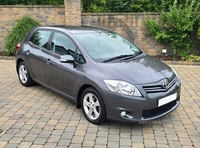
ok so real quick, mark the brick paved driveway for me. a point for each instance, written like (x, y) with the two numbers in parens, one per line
(36, 117)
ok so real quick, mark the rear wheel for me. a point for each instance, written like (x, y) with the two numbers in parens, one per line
(24, 75)
(93, 106)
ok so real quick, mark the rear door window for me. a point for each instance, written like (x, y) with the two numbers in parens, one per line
(41, 38)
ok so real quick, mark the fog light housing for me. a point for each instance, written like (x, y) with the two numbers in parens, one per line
(126, 115)
(123, 114)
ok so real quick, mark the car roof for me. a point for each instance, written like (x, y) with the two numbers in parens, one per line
(76, 29)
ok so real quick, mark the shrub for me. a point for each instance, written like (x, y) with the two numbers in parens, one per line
(198, 32)
(176, 27)
(113, 6)
(18, 33)
(193, 58)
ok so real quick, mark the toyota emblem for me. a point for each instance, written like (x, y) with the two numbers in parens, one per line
(165, 84)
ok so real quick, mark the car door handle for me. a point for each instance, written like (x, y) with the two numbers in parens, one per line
(48, 61)
(27, 52)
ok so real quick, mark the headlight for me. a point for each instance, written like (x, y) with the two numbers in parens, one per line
(122, 87)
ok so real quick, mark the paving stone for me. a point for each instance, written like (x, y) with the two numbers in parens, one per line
(185, 142)
(88, 143)
(101, 140)
(11, 145)
(149, 143)
(125, 142)
(161, 140)
(40, 141)
(113, 137)
(2, 144)
(16, 140)
(100, 146)
(36, 117)
(53, 139)
(6, 137)
(25, 144)
(77, 139)
(36, 146)
(113, 144)
(172, 137)
(67, 135)
(137, 139)
(44, 134)
(50, 145)
(30, 137)
(90, 136)
(162, 146)
(175, 144)
(35, 131)
(64, 142)
(75, 146)
(137, 145)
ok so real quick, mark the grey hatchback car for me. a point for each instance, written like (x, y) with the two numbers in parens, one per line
(102, 72)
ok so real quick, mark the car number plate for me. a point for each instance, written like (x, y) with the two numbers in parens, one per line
(167, 99)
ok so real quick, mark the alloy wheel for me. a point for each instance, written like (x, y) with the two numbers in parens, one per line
(91, 106)
(23, 74)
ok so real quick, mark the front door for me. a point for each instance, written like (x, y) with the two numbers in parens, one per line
(61, 76)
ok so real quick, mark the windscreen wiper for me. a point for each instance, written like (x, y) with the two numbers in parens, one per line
(127, 56)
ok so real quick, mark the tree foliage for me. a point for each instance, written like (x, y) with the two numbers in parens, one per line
(198, 31)
(31, 2)
(176, 27)
(95, 6)
(18, 33)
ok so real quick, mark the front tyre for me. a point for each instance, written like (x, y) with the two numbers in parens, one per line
(93, 106)
(24, 75)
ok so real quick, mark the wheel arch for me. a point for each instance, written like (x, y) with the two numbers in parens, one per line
(100, 109)
(18, 61)
(82, 88)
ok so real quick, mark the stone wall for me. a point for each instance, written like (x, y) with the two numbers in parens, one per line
(46, 15)
(73, 9)
(130, 25)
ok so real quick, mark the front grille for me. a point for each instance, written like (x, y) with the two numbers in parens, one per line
(153, 88)
(158, 111)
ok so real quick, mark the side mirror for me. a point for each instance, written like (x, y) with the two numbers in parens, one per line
(66, 59)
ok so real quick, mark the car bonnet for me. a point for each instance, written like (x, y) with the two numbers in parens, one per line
(140, 71)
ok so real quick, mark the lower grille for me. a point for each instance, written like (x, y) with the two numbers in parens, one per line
(158, 111)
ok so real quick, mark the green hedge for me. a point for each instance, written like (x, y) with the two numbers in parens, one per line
(129, 5)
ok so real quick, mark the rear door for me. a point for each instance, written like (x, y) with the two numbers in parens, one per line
(35, 55)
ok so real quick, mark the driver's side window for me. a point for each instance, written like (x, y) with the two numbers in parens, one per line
(61, 44)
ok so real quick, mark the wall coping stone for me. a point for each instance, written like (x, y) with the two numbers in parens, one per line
(7, 57)
(129, 13)
(32, 6)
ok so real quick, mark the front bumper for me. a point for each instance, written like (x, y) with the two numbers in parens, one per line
(137, 109)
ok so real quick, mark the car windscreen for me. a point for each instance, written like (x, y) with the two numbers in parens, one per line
(106, 46)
